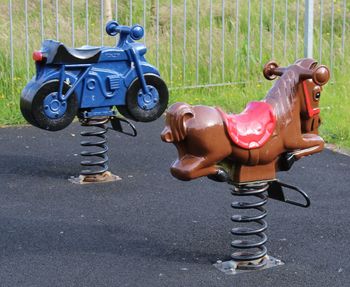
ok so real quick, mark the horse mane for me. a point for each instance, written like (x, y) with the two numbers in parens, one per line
(282, 95)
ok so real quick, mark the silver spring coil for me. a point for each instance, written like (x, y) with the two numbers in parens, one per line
(250, 245)
(97, 161)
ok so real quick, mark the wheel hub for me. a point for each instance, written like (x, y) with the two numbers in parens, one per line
(53, 107)
(148, 101)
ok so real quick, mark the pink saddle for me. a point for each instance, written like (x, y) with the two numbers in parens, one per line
(253, 127)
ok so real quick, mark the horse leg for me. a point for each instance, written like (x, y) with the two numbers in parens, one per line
(190, 167)
(312, 144)
(302, 141)
(308, 144)
(299, 146)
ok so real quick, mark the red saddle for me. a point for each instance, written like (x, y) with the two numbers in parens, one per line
(253, 127)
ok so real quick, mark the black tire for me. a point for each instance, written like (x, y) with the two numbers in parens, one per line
(38, 116)
(26, 101)
(133, 111)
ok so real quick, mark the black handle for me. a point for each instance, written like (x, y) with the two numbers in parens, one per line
(117, 126)
(275, 191)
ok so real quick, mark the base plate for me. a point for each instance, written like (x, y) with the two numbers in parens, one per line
(105, 177)
(230, 267)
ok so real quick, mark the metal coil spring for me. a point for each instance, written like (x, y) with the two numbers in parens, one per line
(251, 248)
(96, 166)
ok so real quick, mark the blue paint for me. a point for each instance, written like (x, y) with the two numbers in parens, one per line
(98, 76)
(99, 112)
(53, 107)
(149, 100)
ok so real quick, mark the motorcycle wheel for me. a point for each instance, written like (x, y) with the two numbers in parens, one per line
(44, 111)
(139, 108)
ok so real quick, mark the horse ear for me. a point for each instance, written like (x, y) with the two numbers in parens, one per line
(321, 75)
(313, 65)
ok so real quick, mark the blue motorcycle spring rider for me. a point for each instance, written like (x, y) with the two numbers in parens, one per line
(90, 81)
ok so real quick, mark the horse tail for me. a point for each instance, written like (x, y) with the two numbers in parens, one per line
(177, 116)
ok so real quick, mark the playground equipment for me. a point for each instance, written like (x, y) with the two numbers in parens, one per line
(89, 82)
(246, 150)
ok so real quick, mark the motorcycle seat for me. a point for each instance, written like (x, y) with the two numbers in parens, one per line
(60, 54)
(253, 127)
(77, 55)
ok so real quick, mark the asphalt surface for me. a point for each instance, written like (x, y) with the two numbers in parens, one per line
(150, 229)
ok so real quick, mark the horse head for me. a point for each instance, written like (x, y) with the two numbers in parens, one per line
(308, 89)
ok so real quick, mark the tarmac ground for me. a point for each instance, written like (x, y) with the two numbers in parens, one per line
(150, 229)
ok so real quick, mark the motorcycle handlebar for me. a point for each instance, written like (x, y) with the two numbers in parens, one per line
(136, 32)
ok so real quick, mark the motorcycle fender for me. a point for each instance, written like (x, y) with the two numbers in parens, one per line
(132, 75)
(30, 91)
(54, 74)
(28, 94)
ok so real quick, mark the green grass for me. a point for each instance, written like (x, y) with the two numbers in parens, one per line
(245, 67)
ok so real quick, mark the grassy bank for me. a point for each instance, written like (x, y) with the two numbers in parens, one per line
(230, 60)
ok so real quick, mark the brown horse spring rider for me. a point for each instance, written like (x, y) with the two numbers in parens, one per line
(266, 137)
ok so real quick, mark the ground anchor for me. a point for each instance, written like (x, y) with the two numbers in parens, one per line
(232, 267)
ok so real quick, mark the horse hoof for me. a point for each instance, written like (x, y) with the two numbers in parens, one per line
(286, 161)
(220, 176)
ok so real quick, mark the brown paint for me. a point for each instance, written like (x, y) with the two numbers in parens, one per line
(203, 145)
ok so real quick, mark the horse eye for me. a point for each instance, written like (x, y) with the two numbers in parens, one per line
(317, 96)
